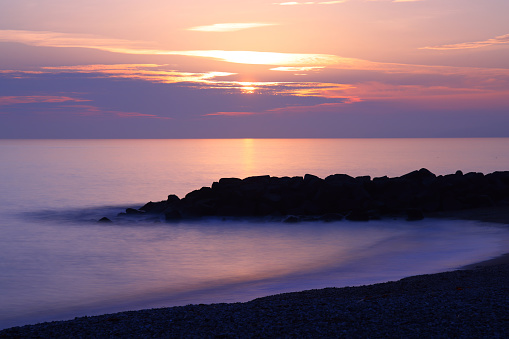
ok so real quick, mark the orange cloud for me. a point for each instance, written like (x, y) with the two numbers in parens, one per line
(499, 40)
(229, 113)
(52, 39)
(319, 108)
(294, 3)
(209, 80)
(147, 72)
(297, 69)
(229, 27)
(55, 39)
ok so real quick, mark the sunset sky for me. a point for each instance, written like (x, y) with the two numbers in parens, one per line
(254, 68)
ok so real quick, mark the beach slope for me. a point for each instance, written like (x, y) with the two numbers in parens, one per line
(469, 303)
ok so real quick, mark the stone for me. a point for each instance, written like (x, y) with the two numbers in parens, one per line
(338, 195)
(131, 211)
(414, 214)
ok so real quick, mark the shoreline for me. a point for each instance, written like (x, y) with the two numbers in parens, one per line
(469, 301)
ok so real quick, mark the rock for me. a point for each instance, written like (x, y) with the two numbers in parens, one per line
(172, 215)
(328, 217)
(341, 179)
(420, 175)
(291, 219)
(131, 211)
(358, 215)
(104, 220)
(359, 198)
(414, 214)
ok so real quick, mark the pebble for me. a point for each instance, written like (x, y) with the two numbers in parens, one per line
(470, 303)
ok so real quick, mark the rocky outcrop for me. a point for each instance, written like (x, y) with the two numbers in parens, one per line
(310, 197)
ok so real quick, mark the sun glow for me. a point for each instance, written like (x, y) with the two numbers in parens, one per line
(248, 89)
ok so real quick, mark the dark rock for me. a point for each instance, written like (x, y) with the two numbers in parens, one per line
(331, 217)
(131, 211)
(414, 214)
(358, 215)
(105, 220)
(360, 198)
(291, 219)
(172, 199)
(364, 178)
(340, 179)
(420, 175)
(258, 180)
(172, 215)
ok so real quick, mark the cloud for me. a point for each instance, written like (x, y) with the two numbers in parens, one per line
(31, 99)
(83, 110)
(55, 39)
(229, 27)
(52, 39)
(297, 69)
(499, 40)
(266, 58)
(230, 114)
(90, 110)
(148, 72)
(293, 3)
(296, 3)
(442, 96)
(295, 109)
(208, 80)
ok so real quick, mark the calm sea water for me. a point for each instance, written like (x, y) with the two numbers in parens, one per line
(56, 262)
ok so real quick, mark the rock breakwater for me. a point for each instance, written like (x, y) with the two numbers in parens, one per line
(335, 197)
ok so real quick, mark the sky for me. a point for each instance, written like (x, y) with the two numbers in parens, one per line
(254, 68)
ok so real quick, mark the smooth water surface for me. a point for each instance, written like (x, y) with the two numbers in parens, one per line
(56, 262)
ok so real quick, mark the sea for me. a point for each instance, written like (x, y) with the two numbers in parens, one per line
(57, 262)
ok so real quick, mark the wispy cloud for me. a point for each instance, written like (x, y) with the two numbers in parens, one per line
(229, 27)
(294, 3)
(297, 69)
(31, 99)
(209, 80)
(147, 72)
(297, 3)
(267, 58)
(52, 39)
(229, 114)
(446, 95)
(294, 109)
(77, 109)
(499, 40)
(90, 110)
(55, 39)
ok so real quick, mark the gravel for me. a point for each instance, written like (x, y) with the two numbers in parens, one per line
(470, 303)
